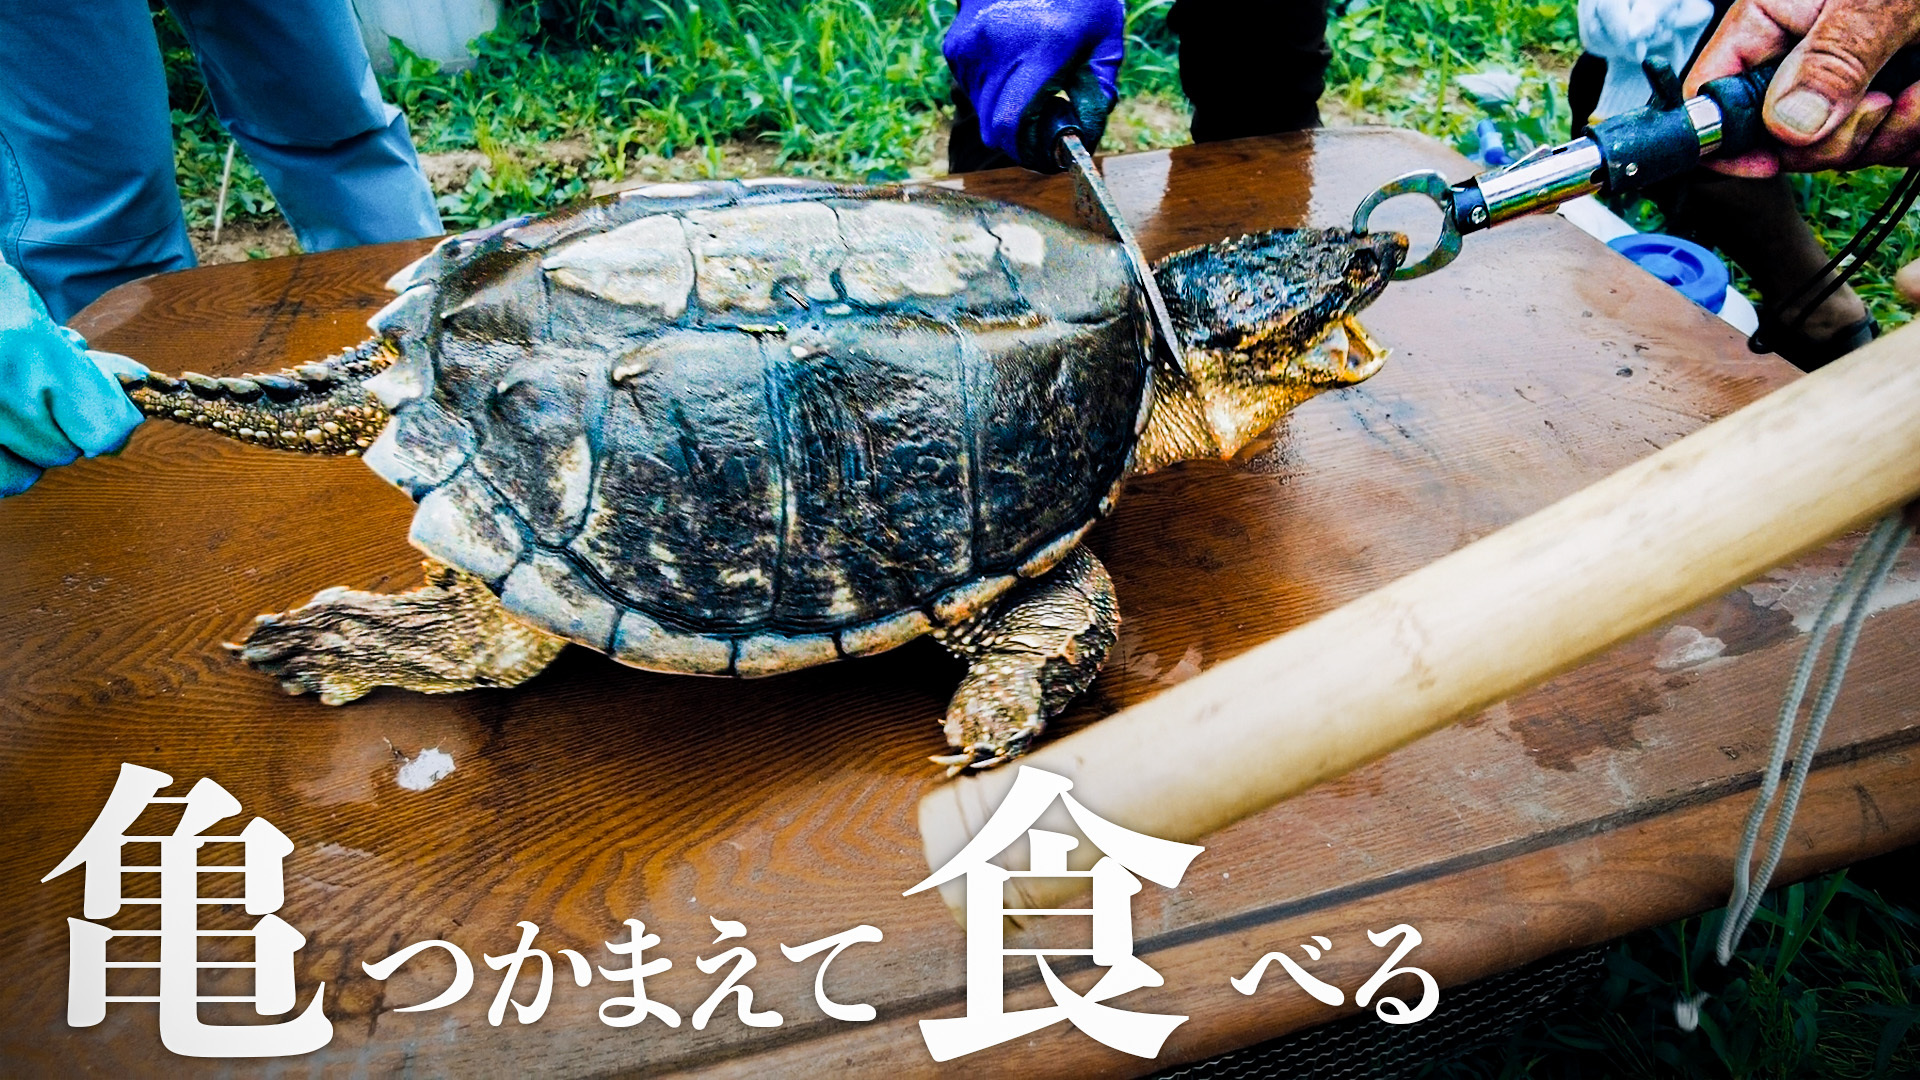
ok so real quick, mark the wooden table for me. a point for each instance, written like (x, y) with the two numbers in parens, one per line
(1607, 800)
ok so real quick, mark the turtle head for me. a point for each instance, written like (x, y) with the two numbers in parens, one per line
(1273, 306)
(1267, 321)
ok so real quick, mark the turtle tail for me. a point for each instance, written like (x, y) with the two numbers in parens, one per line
(319, 408)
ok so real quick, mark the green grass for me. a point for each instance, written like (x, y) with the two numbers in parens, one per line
(857, 89)
(1396, 62)
(1826, 983)
(848, 89)
(1837, 204)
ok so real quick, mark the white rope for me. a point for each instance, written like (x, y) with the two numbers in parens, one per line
(220, 204)
(1868, 569)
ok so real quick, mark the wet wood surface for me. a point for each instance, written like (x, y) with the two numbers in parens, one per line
(1605, 800)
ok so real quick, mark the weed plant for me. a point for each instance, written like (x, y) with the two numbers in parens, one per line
(1825, 983)
(857, 89)
(1399, 63)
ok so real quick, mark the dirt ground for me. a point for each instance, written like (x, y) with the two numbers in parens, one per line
(1140, 123)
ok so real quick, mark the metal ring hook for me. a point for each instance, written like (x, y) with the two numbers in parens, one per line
(1434, 186)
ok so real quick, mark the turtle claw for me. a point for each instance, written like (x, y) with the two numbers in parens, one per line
(449, 635)
(309, 650)
(977, 756)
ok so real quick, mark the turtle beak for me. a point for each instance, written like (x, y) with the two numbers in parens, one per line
(1370, 268)
(1345, 356)
(1364, 355)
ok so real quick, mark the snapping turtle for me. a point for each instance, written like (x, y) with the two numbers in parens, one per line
(743, 428)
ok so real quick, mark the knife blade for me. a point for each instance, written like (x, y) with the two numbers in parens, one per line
(1093, 206)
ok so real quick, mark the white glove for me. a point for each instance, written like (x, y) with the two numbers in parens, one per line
(1625, 33)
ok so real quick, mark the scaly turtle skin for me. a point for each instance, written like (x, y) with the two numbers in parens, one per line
(743, 428)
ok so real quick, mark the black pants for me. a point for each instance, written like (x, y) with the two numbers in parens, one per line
(1252, 67)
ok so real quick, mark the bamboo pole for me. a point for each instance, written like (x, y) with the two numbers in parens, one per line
(1816, 458)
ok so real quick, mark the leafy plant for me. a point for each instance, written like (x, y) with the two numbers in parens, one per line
(857, 89)
(1826, 982)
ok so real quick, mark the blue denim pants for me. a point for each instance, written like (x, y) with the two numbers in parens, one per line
(88, 197)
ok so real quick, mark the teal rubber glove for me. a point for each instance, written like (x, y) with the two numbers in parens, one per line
(58, 400)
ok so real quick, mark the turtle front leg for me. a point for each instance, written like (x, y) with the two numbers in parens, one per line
(1029, 655)
(448, 636)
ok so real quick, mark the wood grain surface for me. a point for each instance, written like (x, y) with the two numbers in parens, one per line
(1605, 800)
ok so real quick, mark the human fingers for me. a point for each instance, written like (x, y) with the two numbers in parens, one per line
(1897, 142)
(1908, 281)
(1752, 165)
(1752, 33)
(1827, 73)
(1841, 149)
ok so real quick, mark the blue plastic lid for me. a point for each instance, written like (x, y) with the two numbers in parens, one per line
(1699, 274)
(1493, 145)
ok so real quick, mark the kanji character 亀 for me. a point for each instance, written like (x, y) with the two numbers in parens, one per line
(264, 848)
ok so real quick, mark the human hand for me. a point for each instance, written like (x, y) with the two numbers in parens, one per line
(57, 399)
(1908, 281)
(1003, 52)
(1819, 107)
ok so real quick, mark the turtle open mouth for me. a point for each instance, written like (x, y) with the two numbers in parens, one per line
(1345, 353)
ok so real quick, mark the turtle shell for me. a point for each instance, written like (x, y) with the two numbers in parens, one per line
(740, 428)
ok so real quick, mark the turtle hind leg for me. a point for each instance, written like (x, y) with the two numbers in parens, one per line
(449, 635)
(1028, 655)
(319, 408)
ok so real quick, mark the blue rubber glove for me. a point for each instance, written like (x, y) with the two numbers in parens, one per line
(1004, 52)
(57, 400)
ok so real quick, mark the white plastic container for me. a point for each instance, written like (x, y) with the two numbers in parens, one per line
(1594, 219)
(437, 29)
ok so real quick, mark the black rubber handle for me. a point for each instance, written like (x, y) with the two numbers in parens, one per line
(1041, 131)
(1657, 142)
(1079, 108)
(1740, 97)
(1646, 146)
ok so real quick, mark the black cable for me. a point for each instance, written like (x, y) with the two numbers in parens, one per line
(1880, 224)
(1879, 221)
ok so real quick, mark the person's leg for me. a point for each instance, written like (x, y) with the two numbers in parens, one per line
(1759, 225)
(291, 81)
(87, 192)
(1584, 84)
(1251, 68)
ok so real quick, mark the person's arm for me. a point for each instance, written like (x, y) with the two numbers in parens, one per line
(58, 401)
(1819, 107)
(1003, 52)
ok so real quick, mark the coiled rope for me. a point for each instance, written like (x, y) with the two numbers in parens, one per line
(1864, 574)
